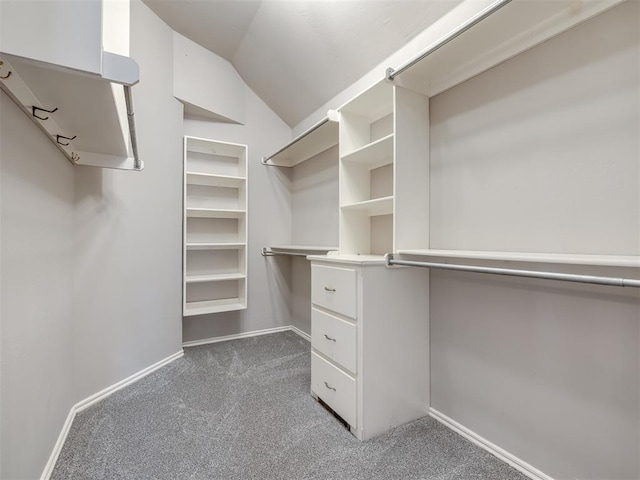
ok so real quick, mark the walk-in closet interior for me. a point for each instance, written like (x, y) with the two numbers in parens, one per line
(286, 239)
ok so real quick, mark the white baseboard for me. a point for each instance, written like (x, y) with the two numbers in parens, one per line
(87, 402)
(255, 333)
(57, 448)
(304, 335)
(520, 465)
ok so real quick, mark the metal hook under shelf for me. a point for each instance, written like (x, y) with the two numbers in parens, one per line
(8, 74)
(58, 137)
(34, 108)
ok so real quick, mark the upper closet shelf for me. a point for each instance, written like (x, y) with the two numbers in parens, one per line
(322, 136)
(501, 31)
(66, 79)
(557, 258)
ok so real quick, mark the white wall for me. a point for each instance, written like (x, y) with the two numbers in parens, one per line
(540, 154)
(269, 214)
(36, 259)
(314, 187)
(207, 84)
(127, 276)
(90, 262)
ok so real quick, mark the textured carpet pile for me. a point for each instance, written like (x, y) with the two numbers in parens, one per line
(241, 410)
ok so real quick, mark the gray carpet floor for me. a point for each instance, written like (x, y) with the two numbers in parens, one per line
(242, 410)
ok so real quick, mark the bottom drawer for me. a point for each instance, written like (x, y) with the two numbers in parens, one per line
(334, 387)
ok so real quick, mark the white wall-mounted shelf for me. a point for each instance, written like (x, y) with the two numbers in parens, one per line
(211, 180)
(214, 213)
(213, 306)
(320, 137)
(376, 206)
(296, 250)
(513, 27)
(214, 277)
(214, 246)
(77, 71)
(373, 155)
(554, 258)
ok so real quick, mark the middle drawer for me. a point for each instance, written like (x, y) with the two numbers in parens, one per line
(334, 338)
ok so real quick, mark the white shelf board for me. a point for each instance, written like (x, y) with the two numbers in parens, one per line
(513, 29)
(211, 180)
(89, 108)
(214, 213)
(373, 104)
(218, 277)
(557, 258)
(307, 145)
(351, 259)
(213, 306)
(377, 206)
(375, 154)
(215, 147)
(214, 246)
(309, 249)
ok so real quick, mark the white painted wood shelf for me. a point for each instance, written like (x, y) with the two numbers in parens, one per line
(214, 213)
(213, 306)
(212, 180)
(373, 155)
(217, 277)
(214, 246)
(512, 29)
(309, 249)
(554, 258)
(308, 144)
(215, 227)
(374, 207)
(69, 71)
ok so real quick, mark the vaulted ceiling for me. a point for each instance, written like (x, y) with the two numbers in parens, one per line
(298, 54)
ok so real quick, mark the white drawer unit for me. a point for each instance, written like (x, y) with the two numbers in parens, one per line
(334, 289)
(335, 387)
(335, 338)
(369, 341)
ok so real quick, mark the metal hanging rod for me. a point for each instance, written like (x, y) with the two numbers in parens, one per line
(563, 277)
(265, 252)
(391, 73)
(137, 164)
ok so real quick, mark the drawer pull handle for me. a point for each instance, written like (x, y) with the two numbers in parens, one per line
(329, 386)
(330, 289)
(329, 338)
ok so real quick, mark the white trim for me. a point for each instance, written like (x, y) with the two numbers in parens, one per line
(57, 448)
(304, 335)
(520, 465)
(255, 333)
(95, 398)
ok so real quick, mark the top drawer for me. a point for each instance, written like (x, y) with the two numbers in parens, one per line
(334, 289)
